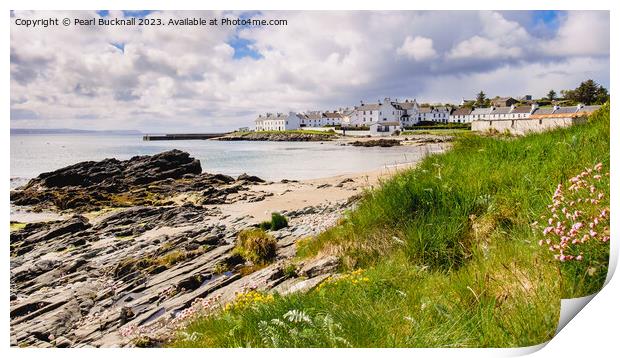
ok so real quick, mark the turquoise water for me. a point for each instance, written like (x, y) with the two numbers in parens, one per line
(34, 154)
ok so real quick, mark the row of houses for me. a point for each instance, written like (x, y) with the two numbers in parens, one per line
(389, 115)
(539, 119)
(290, 121)
(406, 113)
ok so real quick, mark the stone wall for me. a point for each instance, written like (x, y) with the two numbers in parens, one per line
(523, 126)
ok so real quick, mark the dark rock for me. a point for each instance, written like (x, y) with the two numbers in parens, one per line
(376, 143)
(319, 266)
(72, 225)
(63, 342)
(192, 282)
(279, 137)
(250, 178)
(126, 314)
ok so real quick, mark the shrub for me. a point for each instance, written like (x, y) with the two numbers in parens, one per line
(278, 221)
(265, 225)
(256, 245)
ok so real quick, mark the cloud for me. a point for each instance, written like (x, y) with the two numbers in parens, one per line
(479, 47)
(499, 38)
(418, 48)
(582, 33)
(217, 78)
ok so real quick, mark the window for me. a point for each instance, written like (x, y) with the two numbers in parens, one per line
(540, 121)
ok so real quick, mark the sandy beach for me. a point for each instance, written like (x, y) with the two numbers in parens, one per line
(295, 195)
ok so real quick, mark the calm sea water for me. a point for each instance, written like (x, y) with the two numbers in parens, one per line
(34, 154)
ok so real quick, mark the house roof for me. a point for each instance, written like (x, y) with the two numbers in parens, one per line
(565, 110)
(501, 110)
(484, 110)
(397, 105)
(332, 115)
(522, 109)
(368, 107)
(406, 105)
(270, 116)
(546, 110)
(314, 115)
(589, 109)
(462, 111)
(425, 110)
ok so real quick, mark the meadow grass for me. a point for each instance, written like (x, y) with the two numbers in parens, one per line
(442, 255)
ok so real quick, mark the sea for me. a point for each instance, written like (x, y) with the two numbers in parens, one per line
(33, 154)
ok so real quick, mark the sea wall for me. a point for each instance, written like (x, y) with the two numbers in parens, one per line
(523, 126)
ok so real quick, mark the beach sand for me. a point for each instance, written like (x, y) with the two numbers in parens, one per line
(295, 195)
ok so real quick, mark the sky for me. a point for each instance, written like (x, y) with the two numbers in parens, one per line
(217, 78)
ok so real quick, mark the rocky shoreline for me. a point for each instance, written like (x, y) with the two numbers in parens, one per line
(143, 240)
(278, 137)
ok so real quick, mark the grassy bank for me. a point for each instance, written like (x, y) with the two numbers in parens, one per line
(443, 255)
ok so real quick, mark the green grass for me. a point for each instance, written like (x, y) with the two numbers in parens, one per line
(449, 253)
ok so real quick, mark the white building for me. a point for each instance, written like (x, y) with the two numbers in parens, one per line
(441, 114)
(481, 113)
(460, 115)
(277, 122)
(312, 119)
(332, 118)
(368, 113)
(410, 116)
(346, 114)
(533, 119)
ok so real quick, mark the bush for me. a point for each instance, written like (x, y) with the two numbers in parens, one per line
(265, 225)
(256, 245)
(278, 221)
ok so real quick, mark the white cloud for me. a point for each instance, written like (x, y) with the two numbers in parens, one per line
(171, 78)
(583, 33)
(498, 39)
(479, 47)
(418, 48)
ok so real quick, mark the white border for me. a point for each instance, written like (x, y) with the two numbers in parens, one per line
(591, 332)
